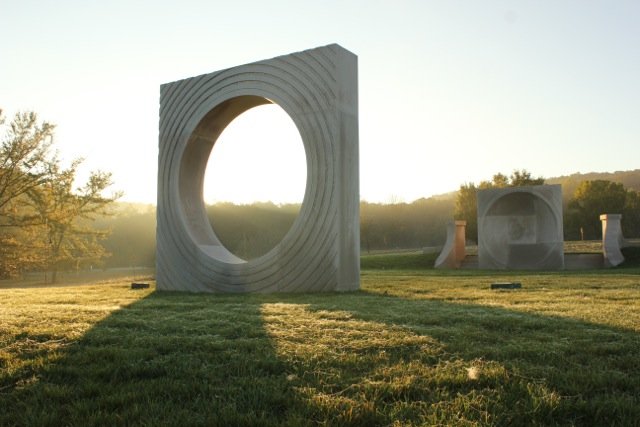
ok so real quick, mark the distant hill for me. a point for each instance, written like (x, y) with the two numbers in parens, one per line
(630, 180)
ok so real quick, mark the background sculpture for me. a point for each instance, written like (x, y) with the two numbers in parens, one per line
(321, 251)
(520, 228)
(612, 239)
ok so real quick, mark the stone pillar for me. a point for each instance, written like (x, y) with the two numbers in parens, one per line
(461, 241)
(453, 251)
(612, 239)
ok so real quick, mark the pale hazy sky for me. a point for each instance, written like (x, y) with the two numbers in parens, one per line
(450, 91)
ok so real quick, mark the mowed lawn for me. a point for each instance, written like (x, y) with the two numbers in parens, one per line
(413, 347)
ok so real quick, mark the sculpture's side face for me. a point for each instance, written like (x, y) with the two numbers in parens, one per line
(318, 89)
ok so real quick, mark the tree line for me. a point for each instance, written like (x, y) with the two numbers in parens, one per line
(49, 223)
(581, 210)
(252, 230)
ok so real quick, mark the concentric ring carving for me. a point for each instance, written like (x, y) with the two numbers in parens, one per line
(520, 228)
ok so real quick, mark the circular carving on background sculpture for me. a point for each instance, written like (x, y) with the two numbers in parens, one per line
(520, 228)
(519, 221)
(318, 90)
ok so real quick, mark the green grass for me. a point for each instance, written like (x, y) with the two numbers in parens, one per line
(398, 261)
(413, 347)
(416, 260)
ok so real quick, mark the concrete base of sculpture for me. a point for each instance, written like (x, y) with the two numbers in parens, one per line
(321, 251)
(612, 239)
(520, 228)
(583, 261)
(454, 249)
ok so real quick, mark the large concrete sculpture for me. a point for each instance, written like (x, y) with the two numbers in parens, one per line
(520, 228)
(321, 251)
(612, 239)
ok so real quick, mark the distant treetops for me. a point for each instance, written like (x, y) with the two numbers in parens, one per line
(466, 207)
(581, 212)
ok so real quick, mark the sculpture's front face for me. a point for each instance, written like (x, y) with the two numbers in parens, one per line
(318, 89)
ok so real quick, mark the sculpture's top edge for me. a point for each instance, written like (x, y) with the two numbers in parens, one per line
(333, 47)
(522, 188)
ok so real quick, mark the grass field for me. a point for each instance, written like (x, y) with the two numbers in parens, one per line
(413, 347)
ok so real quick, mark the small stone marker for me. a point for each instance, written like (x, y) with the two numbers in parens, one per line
(506, 285)
(135, 285)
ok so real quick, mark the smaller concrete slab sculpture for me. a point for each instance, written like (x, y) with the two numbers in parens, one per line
(612, 239)
(454, 249)
(520, 228)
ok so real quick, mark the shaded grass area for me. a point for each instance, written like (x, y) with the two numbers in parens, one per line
(411, 348)
(631, 256)
(398, 261)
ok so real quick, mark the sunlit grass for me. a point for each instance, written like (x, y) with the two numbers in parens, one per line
(411, 348)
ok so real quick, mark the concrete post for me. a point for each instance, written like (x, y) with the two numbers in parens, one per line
(612, 239)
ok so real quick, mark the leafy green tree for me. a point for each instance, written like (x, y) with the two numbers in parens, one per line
(466, 208)
(522, 177)
(24, 158)
(467, 201)
(499, 181)
(21, 248)
(43, 221)
(24, 165)
(68, 215)
(590, 200)
(631, 214)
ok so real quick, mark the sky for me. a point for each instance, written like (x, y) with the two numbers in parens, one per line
(450, 92)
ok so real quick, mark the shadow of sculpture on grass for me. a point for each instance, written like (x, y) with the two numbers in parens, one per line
(326, 359)
(168, 359)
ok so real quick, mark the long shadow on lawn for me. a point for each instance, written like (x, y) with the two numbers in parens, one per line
(168, 359)
(347, 359)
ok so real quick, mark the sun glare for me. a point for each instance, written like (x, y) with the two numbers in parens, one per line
(259, 157)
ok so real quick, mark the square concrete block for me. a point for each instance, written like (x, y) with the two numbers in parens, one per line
(521, 228)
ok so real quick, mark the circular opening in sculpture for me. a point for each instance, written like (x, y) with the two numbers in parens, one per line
(254, 181)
